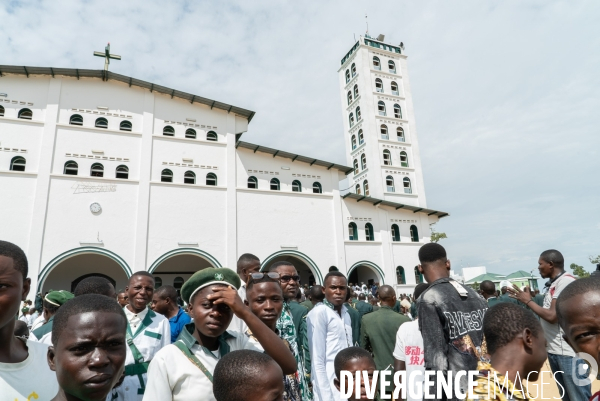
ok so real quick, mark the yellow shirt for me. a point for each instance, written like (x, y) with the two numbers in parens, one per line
(499, 388)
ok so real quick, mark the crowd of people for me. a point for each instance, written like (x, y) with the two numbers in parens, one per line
(251, 335)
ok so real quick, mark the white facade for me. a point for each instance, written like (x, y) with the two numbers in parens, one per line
(173, 229)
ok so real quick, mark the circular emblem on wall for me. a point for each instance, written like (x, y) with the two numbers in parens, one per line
(95, 207)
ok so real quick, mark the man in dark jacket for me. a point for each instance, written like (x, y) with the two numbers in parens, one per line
(354, 319)
(450, 319)
(362, 306)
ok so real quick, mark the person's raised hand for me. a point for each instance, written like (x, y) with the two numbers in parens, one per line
(523, 296)
(228, 296)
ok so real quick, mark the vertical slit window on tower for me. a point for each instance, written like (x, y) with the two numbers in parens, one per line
(384, 132)
(400, 134)
(379, 85)
(376, 63)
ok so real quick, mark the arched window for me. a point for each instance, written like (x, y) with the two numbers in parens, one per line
(168, 131)
(392, 66)
(1, 111)
(76, 119)
(17, 163)
(347, 76)
(395, 231)
(400, 276)
(363, 161)
(71, 168)
(358, 116)
(387, 158)
(355, 91)
(178, 283)
(166, 175)
(125, 125)
(211, 179)
(349, 97)
(403, 159)
(157, 282)
(211, 136)
(352, 232)
(381, 108)
(366, 187)
(252, 182)
(384, 132)
(389, 183)
(407, 186)
(122, 172)
(376, 63)
(190, 133)
(25, 114)
(189, 177)
(351, 119)
(274, 184)
(379, 85)
(357, 189)
(353, 68)
(97, 170)
(361, 138)
(400, 134)
(355, 166)
(395, 88)
(296, 186)
(397, 111)
(414, 233)
(353, 142)
(101, 122)
(369, 234)
(317, 188)
(418, 275)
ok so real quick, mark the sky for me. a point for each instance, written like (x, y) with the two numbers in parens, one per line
(506, 95)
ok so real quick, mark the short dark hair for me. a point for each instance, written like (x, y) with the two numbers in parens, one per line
(577, 287)
(298, 294)
(554, 257)
(51, 308)
(432, 252)
(504, 321)
(334, 274)
(12, 251)
(245, 259)
(266, 279)
(348, 354)
(21, 329)
(276, 265)
(142, 273)
(386, 292)
(94, 285)
(348, 294)
(487, 287)
(235, 374)
(316, 293)
(419, 289)
(362, 296)
(83, 304)
(167, 291)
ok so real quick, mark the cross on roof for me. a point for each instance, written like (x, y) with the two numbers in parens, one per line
(107, 56)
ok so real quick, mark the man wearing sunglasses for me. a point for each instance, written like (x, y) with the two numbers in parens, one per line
(292, 321)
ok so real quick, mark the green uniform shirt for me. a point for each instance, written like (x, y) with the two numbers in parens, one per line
(397, 307)
(493, 301)
(378, 334)
(507, 298)
(299, 313)
(355, 322)
(308, 304)
(363, 308)
(43, 330)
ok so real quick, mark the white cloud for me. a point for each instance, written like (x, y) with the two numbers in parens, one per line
(505, 94)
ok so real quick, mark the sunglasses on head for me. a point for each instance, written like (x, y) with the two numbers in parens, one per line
(285, 279)
(261, 276)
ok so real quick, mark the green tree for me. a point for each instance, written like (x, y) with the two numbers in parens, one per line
(435, 236)
(595, 260)
(579, 271)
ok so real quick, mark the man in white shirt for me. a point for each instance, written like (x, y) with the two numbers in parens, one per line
(409, 353)
(329, 331)
(24, 371)
(246, 265)
(147, 333)
(551, 265)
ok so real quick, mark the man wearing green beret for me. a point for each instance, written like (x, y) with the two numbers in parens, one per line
(52, 301)
(184, 370)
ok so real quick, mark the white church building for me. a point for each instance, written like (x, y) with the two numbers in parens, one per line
(104, 174)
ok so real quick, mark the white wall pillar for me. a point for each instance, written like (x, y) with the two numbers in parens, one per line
(40, 203)
(231, 207)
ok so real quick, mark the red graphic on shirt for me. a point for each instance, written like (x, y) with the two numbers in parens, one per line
(416, 355)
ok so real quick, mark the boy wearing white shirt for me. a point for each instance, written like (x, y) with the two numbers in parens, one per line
(329, 331)
(147, 333)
